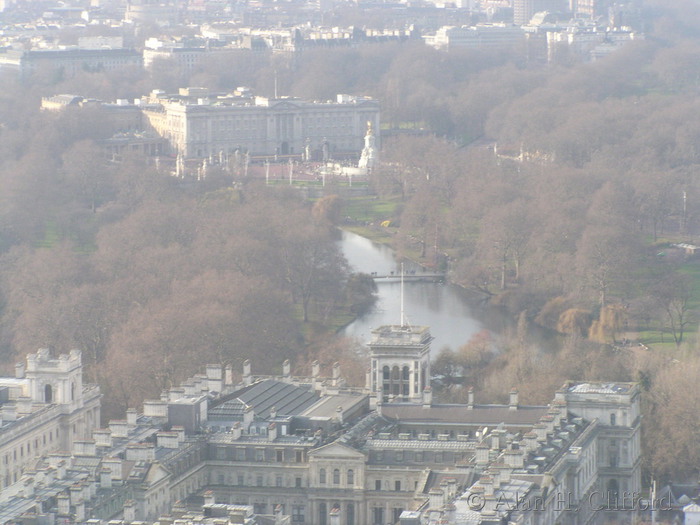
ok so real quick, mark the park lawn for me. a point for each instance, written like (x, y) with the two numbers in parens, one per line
(52, 235)
(370, 209)
(660, 337)
(660, 340)
(692, 270)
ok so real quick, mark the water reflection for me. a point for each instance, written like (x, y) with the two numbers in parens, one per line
(443, 307)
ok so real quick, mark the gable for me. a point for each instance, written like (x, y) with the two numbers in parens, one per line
(156, 473)
(285, 105)
(336, 450)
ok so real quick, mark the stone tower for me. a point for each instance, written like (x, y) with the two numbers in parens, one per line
(55, 380)
(400, 362)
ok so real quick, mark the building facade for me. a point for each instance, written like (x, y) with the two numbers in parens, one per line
(316, 451)
(45, 408)
(200, 125)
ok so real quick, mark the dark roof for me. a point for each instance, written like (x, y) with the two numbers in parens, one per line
(435, 478)
(289, 400)
(460, 414)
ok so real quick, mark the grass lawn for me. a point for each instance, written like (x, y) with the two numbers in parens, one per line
(369, 208)
(692, 270)
(660, 337)
(51, 236)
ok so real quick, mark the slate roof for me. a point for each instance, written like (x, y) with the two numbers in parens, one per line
(326, 406)
(460, 414)
(289, 400)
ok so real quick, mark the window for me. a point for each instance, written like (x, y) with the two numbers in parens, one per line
(322, 513)
(378, 516)
(259, 454)
(299, 456)
(259, 481)
(336, 477)
(240, 454)
(399, 455)
(278, 481)
(297, 482)
(297, 513)
(612, 419)
(397, 485)
(397, 514)
(279, 455)
(241, 479)
(322, 476)
(259, 508)
(351, 477)
(377, 484)
(350, 514)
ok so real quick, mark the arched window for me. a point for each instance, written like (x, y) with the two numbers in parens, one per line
(48, 394)
(351, 514)
(612, 492)
(385, 372)
(322, 514)
(322, 475)
(395, 373)
(336, 476)
(406, 373)
(612, 419)
(351, 477)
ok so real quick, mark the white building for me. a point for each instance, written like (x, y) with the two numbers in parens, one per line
(480, 36)
(200, 125)
(45, 408)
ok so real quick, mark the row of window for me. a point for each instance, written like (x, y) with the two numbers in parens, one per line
(378, 515)
(350, 476)
(398, 487)
(258, 454)
(10, 457)
(260, 480)
(14, 460)
(348, 512)
(403, 456)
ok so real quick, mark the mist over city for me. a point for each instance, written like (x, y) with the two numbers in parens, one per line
(349, 262)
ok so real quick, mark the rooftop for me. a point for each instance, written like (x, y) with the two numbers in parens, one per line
(461, 414)
(287, 399)
(600, 388)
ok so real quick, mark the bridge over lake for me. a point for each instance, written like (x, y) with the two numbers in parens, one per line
(434, 277)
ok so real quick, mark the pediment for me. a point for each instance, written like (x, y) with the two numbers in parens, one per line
(336, 450)
(156, 472)
(285, 105)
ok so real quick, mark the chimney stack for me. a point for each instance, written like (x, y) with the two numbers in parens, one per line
(336, 373)
(287, 370)
(248, 416)
(427, 397)
(247, 373)
(513, 403)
